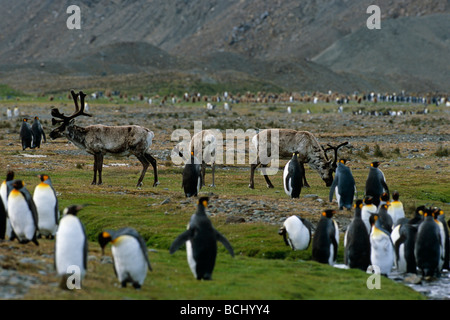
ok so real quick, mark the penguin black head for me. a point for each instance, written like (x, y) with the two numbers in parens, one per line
(328, 213)
(73, 209)
(384, 197)
(104, 238)
(18, 184)
(373, 218)
(203, 201)
(375, 164)
(36, 118)
(436, 212)
(9, 175)
(343, 161)
(43, 177)
(358, 204)
(395, 196)
(421, 210)
(25, 120)
(368, 200)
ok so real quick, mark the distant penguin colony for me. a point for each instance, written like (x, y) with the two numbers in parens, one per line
(201, 243)
(343, 186)
(293, 174)
(130, 257)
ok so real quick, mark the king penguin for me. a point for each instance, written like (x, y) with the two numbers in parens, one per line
(293, 177)
(441, 217)
(71, 246)
(296, 232)
(395, 209)
(381, 247)
(22, 214)
(46, 202)
(366, 212)
(384, 218)
(326, 239)
(357, 241)
(5, 189)
(428, 246)
(38, 133)
(130, 255)
(201, 243)
(403, 237)
(343, 186)
(376, 183)
(26, 135)
(192, 177)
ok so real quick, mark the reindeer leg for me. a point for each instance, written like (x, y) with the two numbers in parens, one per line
(99, 168)
(203, 173)
(266, 177)
(155, 168)
(213, 166)
(305, 183)
(252, 175)
(94, 181)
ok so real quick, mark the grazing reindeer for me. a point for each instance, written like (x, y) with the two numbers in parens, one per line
(303, 142)
(99, 140)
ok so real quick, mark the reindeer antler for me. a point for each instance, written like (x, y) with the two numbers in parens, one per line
(330, 147)
(79, 110)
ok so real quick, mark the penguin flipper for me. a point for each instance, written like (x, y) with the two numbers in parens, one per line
(220, 237)
(180, 240)
(333, 188)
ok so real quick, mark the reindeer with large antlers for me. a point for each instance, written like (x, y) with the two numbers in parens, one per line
(290, 141)
(100, 140)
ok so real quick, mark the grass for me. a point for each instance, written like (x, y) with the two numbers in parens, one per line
(264, 268)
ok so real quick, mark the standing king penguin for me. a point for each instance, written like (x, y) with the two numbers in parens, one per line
(46, 202)
(26, 135)
(343, 186)
(326, 239)
(396, 210)
(293, 177)
(22, 214)
(38, 133)
(366, 212)
(201, 243)
(357, 242)
(71, 246)
(130, 255)
(192, 177)
(428, 246)
(5, 189)
(296, 232)
(381, 247)
(403, 237)
(376, 183)
(441, 217)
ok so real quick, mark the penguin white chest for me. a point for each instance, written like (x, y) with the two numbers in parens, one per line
(382, 251)
(45, 201)
(129, 260)
(190, 258)
(20, 216)
(70, 245)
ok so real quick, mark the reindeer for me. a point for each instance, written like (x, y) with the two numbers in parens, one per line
(100, 140)
(308, 148)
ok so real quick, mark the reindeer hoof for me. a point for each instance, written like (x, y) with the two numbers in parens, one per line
(251, 186)
(270, 186)
(156, 184)
(212, 185)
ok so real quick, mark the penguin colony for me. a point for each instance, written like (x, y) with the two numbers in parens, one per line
(379, 234)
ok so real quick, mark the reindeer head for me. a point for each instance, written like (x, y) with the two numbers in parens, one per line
(67, 121)
(330, 166)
